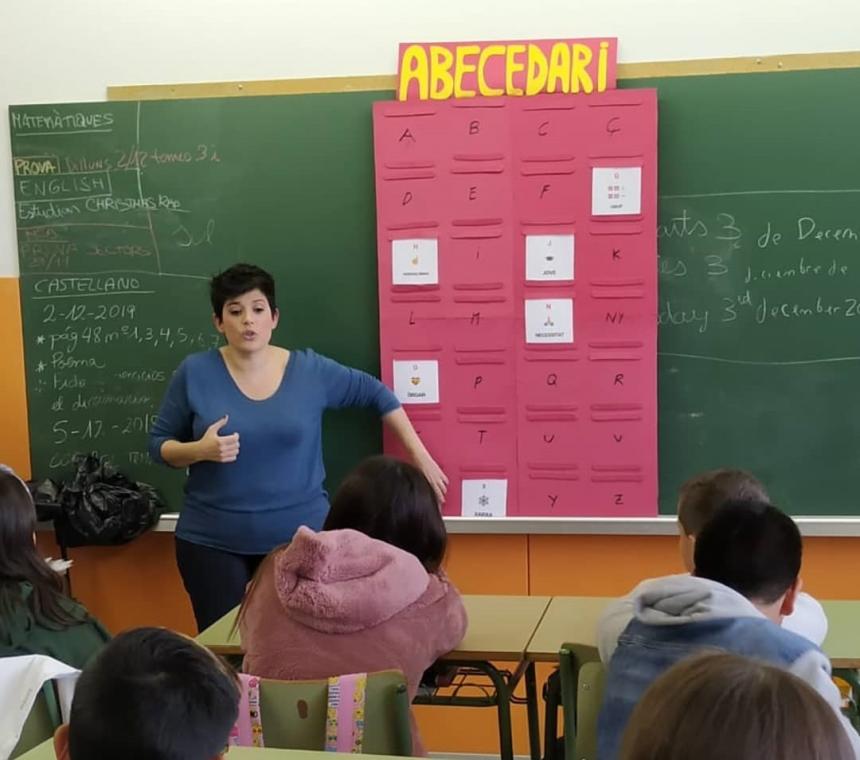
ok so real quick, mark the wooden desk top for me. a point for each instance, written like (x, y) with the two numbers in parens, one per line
(567, 619)
(217, 636)
(45, 751)
(500, 627)
(574, 619)
(842, 644)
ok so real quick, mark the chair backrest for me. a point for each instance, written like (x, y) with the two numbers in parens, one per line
(294, 714)
(41, 722)
(582, 678)
(589, 697)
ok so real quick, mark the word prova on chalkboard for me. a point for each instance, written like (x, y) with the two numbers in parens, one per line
(134, 157)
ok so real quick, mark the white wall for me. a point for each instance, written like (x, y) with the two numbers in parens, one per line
(70, 50)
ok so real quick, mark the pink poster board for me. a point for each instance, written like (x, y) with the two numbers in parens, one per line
(518, 296)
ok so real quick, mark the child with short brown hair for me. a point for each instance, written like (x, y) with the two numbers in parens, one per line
(745, 581)
(699, 499)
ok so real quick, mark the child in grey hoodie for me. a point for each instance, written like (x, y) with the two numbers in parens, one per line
(747, 562)
(699, 499)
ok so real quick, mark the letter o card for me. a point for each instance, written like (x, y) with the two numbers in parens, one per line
(416, 382)
(616, 192)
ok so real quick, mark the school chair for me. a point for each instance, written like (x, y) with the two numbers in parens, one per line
(589, 696)
(848, 682)
(41, 723)
(294, 713)
(579, 685)
(553, 743)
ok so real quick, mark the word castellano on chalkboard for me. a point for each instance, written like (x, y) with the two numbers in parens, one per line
(441, 71)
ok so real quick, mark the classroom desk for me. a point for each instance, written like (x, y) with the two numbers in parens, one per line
(570, 619)
(498, 623)
(216, 638)
(530, 629)
(842, 644)
(573, 619)
(45, 751)
(500, 629)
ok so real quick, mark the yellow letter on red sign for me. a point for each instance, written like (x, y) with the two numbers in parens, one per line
(558, 79)
(414, 67)
(535, 71)
(580, 79)
(441, 80)
(461, 68)
(601, 66)
(487, 53)
(512, 67)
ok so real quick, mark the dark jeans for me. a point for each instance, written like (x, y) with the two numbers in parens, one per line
(214, 579)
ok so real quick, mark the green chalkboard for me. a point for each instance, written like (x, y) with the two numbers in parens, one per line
(147, 201)
(759, 244)
(125, 209)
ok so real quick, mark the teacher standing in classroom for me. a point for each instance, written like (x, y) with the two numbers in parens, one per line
(246, 420)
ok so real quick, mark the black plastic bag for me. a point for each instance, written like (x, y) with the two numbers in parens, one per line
(46, 496)
(100, 506)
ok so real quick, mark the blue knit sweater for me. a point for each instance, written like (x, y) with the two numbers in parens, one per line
(257, 502)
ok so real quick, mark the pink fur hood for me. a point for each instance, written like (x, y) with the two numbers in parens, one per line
(342, 581)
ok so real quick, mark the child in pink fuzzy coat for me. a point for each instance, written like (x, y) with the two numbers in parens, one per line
(367, 593)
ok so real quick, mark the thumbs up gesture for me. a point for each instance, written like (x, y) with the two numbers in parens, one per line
(219, 448)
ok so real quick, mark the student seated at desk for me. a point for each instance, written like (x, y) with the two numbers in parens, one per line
(699, 499)
(36, 616)
(747, 562)
(151, 694)
(719, 706)
(367, 593)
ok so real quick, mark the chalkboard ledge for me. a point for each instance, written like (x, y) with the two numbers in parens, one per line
(639, 526)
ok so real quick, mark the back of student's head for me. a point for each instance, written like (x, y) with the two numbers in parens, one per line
(20, 562)
(752, 547)
(152, 694)
(391, 500)
(721, 707)
(701, 496)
